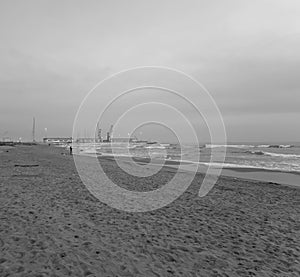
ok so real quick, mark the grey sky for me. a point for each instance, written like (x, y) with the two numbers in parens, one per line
(245, 52)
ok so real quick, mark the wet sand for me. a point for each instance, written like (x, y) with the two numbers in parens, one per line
(52, 226)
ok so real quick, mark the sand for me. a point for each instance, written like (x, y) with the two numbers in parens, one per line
(52, 226)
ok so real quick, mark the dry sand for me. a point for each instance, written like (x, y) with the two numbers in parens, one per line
(52, 226)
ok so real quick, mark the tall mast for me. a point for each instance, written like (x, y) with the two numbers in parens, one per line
(33, 130)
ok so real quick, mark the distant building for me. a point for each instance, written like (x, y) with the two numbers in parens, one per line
(6, 141)
(109, 139)
(88, 140)
(57, 140)
(122, 139)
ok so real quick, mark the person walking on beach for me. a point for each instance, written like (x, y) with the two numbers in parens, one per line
(71, 149)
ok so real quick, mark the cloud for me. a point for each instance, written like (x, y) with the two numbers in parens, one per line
(245, 53)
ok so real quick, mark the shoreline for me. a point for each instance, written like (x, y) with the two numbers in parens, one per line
(288, 178)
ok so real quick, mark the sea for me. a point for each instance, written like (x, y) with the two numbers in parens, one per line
(241, 160)
(279, 157)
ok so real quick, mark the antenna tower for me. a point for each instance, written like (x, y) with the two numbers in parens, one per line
(33, 130)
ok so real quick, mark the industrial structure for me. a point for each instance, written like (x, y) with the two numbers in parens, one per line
(33, 130)
(109, 134)
(57, 140)
(96, 139)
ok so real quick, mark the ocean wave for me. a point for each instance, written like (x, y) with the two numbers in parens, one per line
(155, 147)
(274, 154)
(245, 166)
(271, 166)
(228, 146)
(265, 166)
(263, 146)
(249, 145)
(282, 155)
(280, 146)
(229, 165)
(256, 152)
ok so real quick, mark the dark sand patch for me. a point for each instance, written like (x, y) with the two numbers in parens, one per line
(52, 226)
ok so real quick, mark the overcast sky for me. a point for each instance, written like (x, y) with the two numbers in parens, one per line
(246, 53)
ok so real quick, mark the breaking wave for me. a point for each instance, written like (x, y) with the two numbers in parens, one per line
(274, 154)
(228, 146)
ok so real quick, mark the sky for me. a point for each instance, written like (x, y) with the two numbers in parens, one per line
(245, 53)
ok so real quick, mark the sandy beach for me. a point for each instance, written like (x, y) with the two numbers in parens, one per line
(52, 226)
